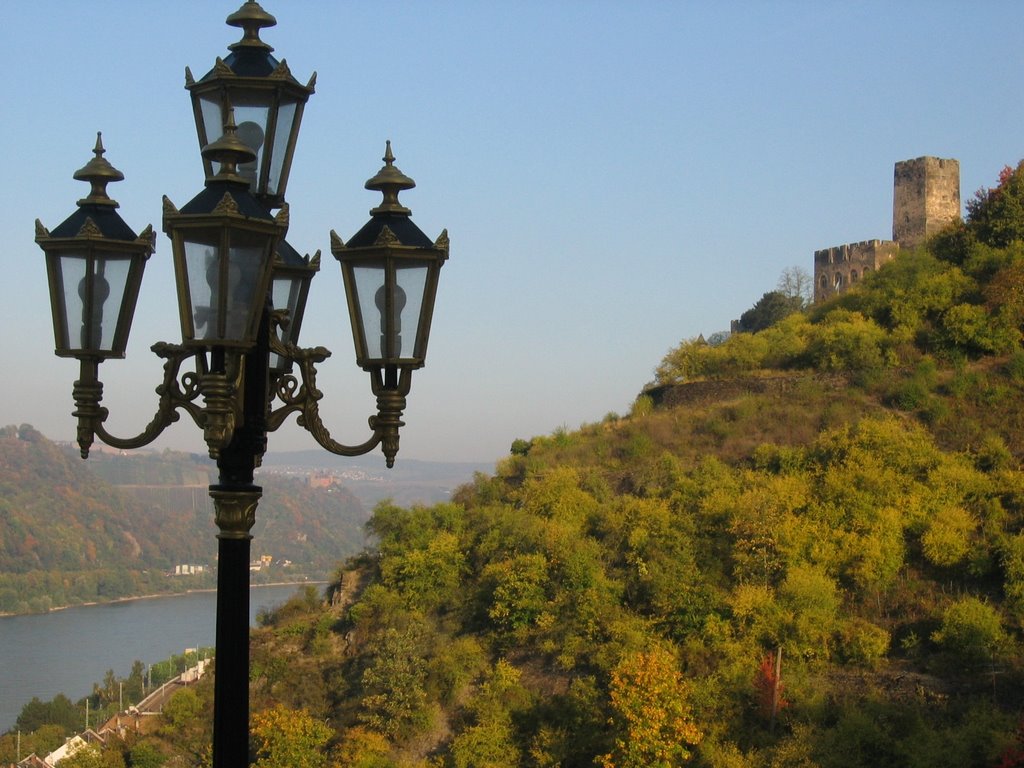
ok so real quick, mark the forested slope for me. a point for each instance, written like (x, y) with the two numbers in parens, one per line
(801, 575)
(68, 536)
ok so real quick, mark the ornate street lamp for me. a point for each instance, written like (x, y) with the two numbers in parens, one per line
(268, 103)
(241, 297)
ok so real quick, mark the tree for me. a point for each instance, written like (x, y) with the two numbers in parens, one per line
(650, 713)
(796, 283)
(42, 741)
(490, 741)
(362, 748)
(289, 738)
(769, 309)
(182, 709)
(58, 711)
(90, 756)
(145, 755)
(394, 697)
(997, 215)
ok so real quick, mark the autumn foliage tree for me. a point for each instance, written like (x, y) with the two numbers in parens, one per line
(650, 713)
(768, 688)
(289, 738)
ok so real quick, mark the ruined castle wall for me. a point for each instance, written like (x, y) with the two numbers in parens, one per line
(838, 268)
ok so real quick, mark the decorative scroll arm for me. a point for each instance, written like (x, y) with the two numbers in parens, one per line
(173, 394)
(304, 397)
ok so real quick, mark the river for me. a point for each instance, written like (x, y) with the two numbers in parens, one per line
(67, 651)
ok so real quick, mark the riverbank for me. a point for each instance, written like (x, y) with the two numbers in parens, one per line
(68, 651)
(154, 595)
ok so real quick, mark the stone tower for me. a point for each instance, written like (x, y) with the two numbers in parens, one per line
(926, 197)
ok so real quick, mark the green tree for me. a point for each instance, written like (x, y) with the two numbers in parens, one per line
(848, 341)
(182, 708)
(947, 539)
(58, 711)
(42, 741)
(394, 701)
(91, 756)
(145, 754)
(772, 307)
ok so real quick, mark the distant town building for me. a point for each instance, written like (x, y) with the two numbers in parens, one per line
(926, 198)
(187, 569)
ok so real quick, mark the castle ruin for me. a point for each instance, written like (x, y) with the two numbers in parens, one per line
(926, 197)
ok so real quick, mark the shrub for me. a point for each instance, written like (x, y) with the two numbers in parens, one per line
(972, 630)
(862, 642)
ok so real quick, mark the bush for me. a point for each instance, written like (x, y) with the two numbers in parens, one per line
(972, 630)
(848, 341)
(863, 643)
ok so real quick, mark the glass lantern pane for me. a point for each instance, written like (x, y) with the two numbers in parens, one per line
(248, 257)
(202, 265)
(285, 120)
(369, 281)
(109, 282)
(252, 112)
(284, 294)
(213, 120)
(411, 279)
(72, 275)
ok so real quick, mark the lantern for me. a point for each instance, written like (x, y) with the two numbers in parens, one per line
(223, 242)
(290, 282)
(390, 270)
(268, 104)
(94, 262)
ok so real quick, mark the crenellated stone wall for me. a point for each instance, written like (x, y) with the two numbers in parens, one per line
(839, 267)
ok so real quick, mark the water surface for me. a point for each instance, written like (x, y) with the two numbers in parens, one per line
(67, 651)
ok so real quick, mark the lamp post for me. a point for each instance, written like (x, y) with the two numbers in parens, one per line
(238, 371)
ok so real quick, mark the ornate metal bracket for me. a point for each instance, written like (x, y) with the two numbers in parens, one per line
(301, 395)
(217, 417)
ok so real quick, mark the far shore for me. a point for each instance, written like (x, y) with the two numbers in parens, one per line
(159, 594)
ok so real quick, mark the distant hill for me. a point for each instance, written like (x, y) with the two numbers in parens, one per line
(410, 481)
(74, 531)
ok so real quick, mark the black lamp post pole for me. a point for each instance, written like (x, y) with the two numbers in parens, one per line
(235, 498)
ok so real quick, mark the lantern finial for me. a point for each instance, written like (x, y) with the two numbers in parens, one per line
(230, 151)
(98, 172)
(251, 18)
(390, 181)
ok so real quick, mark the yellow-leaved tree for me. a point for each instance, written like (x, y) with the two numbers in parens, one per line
(653, 724)
(289, 738)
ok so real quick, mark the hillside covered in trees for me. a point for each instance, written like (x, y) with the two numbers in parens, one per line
(116, 526)
(817, 561)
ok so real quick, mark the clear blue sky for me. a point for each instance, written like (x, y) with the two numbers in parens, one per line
(615, 176)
